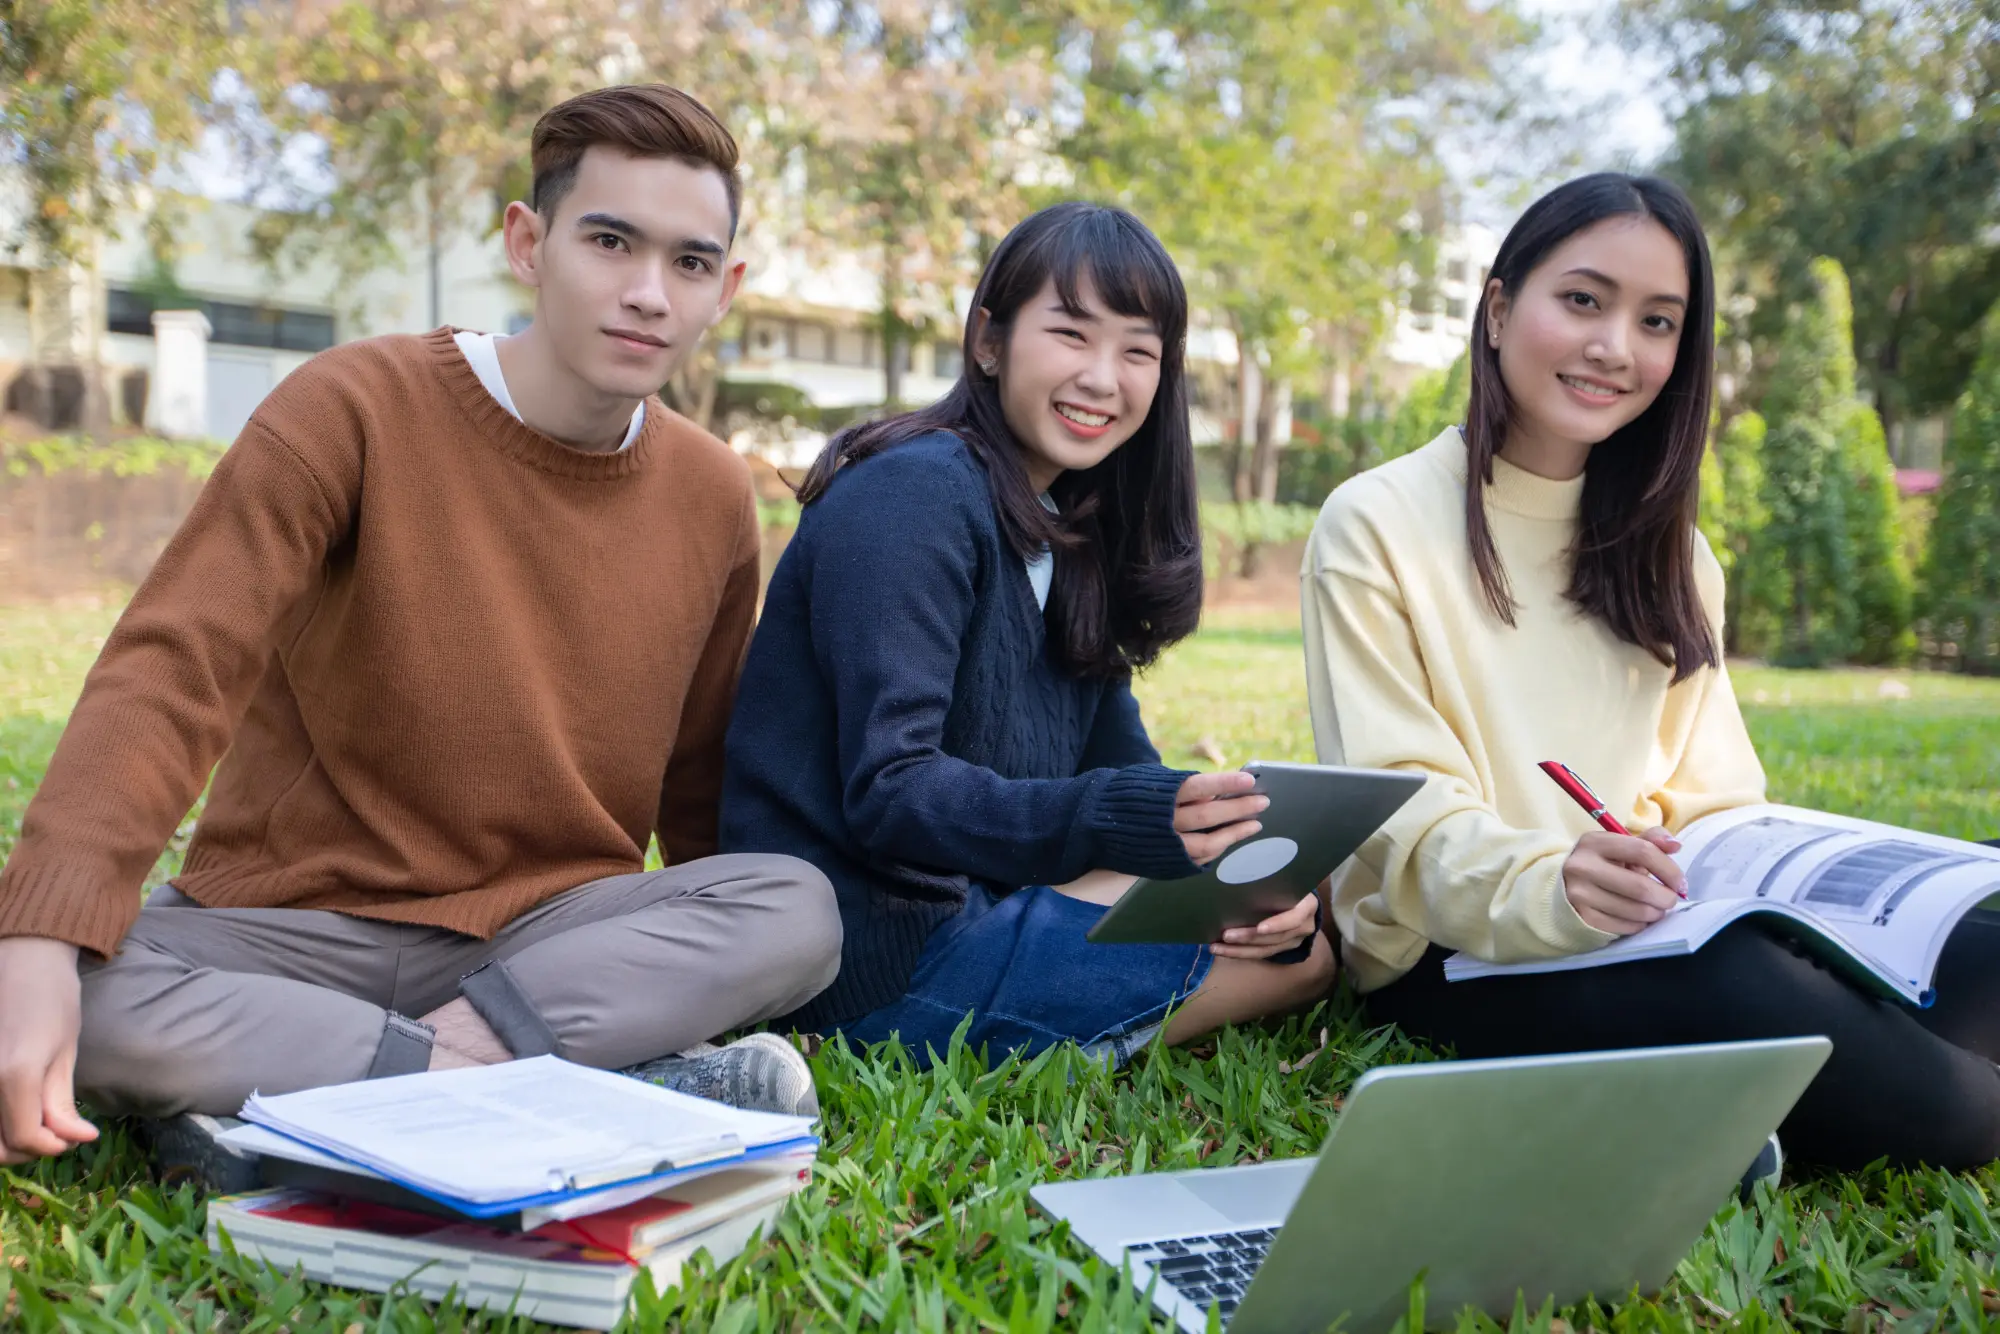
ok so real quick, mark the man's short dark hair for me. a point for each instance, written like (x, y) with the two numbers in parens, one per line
(643, 119)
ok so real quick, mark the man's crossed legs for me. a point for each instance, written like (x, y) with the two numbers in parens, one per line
(204, 1005)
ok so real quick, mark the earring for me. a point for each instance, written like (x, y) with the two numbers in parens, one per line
(1493, 338)
(988, 365)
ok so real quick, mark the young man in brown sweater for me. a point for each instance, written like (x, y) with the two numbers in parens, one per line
(461, 622)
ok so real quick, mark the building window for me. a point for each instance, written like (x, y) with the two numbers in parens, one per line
(810, 342)
(767, 339)
(850, 347)
(128, 312)
(229, 322)
(948, 361)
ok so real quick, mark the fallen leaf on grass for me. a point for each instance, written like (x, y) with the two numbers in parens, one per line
(1714, 1309)
(1288, 1067)
(1989, 1301)
(1206, 749)
(27, 1200)
(1778, 1249)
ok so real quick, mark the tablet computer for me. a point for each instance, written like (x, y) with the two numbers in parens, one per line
(1319, 814)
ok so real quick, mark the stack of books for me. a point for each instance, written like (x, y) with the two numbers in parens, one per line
(536, 1186)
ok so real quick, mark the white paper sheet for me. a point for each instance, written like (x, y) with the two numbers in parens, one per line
(518, 1130)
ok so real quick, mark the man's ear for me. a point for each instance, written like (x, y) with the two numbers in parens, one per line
(521, 233)
(732, 279)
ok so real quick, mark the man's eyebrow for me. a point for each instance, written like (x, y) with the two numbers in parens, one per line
(611, 222)
(701, 245)
(1612, 283)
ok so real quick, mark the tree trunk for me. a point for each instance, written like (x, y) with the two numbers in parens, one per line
(1274, 427)
(1802, 635)
(892, 329)
(432, 247)
(693, 392)
(1274, 414)
(1249, 404)
(65, 362)
(893, 339)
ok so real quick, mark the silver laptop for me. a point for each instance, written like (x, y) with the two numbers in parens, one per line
(1319, 814)
(1550, 1176)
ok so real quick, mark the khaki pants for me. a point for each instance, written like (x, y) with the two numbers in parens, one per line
(204, 1005)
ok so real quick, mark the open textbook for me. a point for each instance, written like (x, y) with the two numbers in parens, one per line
(1872, 899)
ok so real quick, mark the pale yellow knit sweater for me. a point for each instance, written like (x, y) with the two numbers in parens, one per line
(1408, 668)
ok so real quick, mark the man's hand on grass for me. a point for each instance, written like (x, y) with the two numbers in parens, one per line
(41, 1012)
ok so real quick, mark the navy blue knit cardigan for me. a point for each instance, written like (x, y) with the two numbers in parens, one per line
(901, 726)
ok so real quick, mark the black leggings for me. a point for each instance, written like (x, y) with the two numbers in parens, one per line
(1914, 1086)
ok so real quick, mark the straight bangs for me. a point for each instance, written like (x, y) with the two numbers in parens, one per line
(1127, 538)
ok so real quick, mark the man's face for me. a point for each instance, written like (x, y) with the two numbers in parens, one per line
(633, 269)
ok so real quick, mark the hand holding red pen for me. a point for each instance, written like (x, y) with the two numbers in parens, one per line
(1617, 882)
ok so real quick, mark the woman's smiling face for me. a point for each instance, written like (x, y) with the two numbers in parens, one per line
(1590, 339)
(1074, 385)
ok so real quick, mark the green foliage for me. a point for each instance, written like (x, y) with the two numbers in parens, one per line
(1828, 501)
(94, 94)
(780, 513)
(136, 456)
(1961, 578)
(1849, 128)
(918, 1217)
(1437, 399)
(1732, 511)
(1257, 521)
(1882, 586)
(1281, 149)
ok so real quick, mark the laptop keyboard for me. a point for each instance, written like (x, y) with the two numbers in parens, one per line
(1212, 1269)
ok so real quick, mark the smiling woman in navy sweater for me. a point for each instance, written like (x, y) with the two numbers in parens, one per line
(937, 706)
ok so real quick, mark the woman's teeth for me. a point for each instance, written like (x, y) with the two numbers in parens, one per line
(1587, 387)
(1082, 418)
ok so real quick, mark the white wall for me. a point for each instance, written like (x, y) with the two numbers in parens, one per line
(216, 260)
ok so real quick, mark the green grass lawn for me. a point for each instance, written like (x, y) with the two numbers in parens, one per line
(919, 1216)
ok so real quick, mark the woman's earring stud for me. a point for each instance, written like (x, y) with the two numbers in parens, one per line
(988, 365)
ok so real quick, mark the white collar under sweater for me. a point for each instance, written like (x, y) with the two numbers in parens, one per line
(482, 353)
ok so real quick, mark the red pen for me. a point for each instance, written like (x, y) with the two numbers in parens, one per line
(1579, 792)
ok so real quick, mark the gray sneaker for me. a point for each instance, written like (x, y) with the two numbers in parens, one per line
(760, 1073)
(186, 1148)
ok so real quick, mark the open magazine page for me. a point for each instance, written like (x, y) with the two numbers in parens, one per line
(1893, 894)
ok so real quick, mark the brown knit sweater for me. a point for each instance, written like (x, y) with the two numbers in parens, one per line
(457, 667)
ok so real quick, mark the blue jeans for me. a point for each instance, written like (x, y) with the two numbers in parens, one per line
(1020, 964)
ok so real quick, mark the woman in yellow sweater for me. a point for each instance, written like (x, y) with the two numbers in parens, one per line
(1533, 586)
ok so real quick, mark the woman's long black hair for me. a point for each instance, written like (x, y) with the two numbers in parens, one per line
(1127, 542)
(1633, 563)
